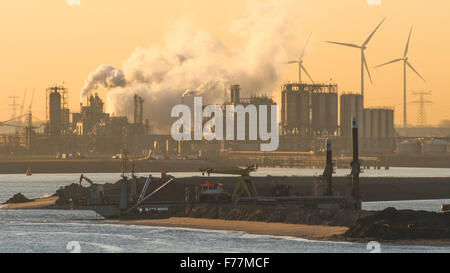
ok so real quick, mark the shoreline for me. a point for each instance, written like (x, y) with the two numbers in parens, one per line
(308, 232)
(301, 231)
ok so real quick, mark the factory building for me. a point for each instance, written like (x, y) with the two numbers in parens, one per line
(257, 100)
(91, 120)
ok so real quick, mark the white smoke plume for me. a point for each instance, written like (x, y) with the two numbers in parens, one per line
(191, 58)
(106, 76)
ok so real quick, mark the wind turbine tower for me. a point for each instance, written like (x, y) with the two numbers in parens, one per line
(300, 63)
(405, 63)
(363, 57)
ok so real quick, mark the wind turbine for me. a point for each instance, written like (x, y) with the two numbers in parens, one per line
(363, 57)
(300, 63)
(405, 63)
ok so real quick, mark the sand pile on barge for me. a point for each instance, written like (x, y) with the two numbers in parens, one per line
(18, 198)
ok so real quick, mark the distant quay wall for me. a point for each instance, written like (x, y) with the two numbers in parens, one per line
(99, 166)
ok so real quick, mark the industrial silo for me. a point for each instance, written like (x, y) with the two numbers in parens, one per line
(383, 123)
(351, 106)
(290, 102)
(367, 127)
(331, 119)
(375, 123)
(304, 112)
(319, 112)
(390, 123)
(283, 108)
(54, 113)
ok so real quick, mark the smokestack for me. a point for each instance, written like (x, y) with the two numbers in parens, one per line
(135, 109)
(235, 96)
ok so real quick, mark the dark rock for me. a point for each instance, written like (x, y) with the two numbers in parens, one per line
(18, 198)
(392, 224)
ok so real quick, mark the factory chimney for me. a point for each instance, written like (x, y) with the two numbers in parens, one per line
(235, 96)
(138, 114)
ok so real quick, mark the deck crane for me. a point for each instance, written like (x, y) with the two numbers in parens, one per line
(86, 179)
(244, 183)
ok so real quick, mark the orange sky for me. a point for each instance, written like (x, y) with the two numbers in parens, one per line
(47, 41)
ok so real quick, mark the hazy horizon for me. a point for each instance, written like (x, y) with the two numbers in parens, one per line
(47, 42)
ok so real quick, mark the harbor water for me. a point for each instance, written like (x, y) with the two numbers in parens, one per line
(57, 230)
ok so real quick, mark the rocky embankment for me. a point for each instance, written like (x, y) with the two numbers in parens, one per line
(389, 224)
(287, 214)
(392, 224)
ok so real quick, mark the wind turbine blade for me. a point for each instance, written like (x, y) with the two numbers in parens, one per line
(293, 62)
(370, 37)
(343, 44)
(306, 72)
(367, 68)
(410, 66)
(407, 43)
(393, 61)
(304, 48)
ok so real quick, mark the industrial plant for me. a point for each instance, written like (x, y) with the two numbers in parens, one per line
(155, 122)
(90, 130)
(309, 114)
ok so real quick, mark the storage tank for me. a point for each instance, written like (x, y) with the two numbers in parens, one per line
(436, 146)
